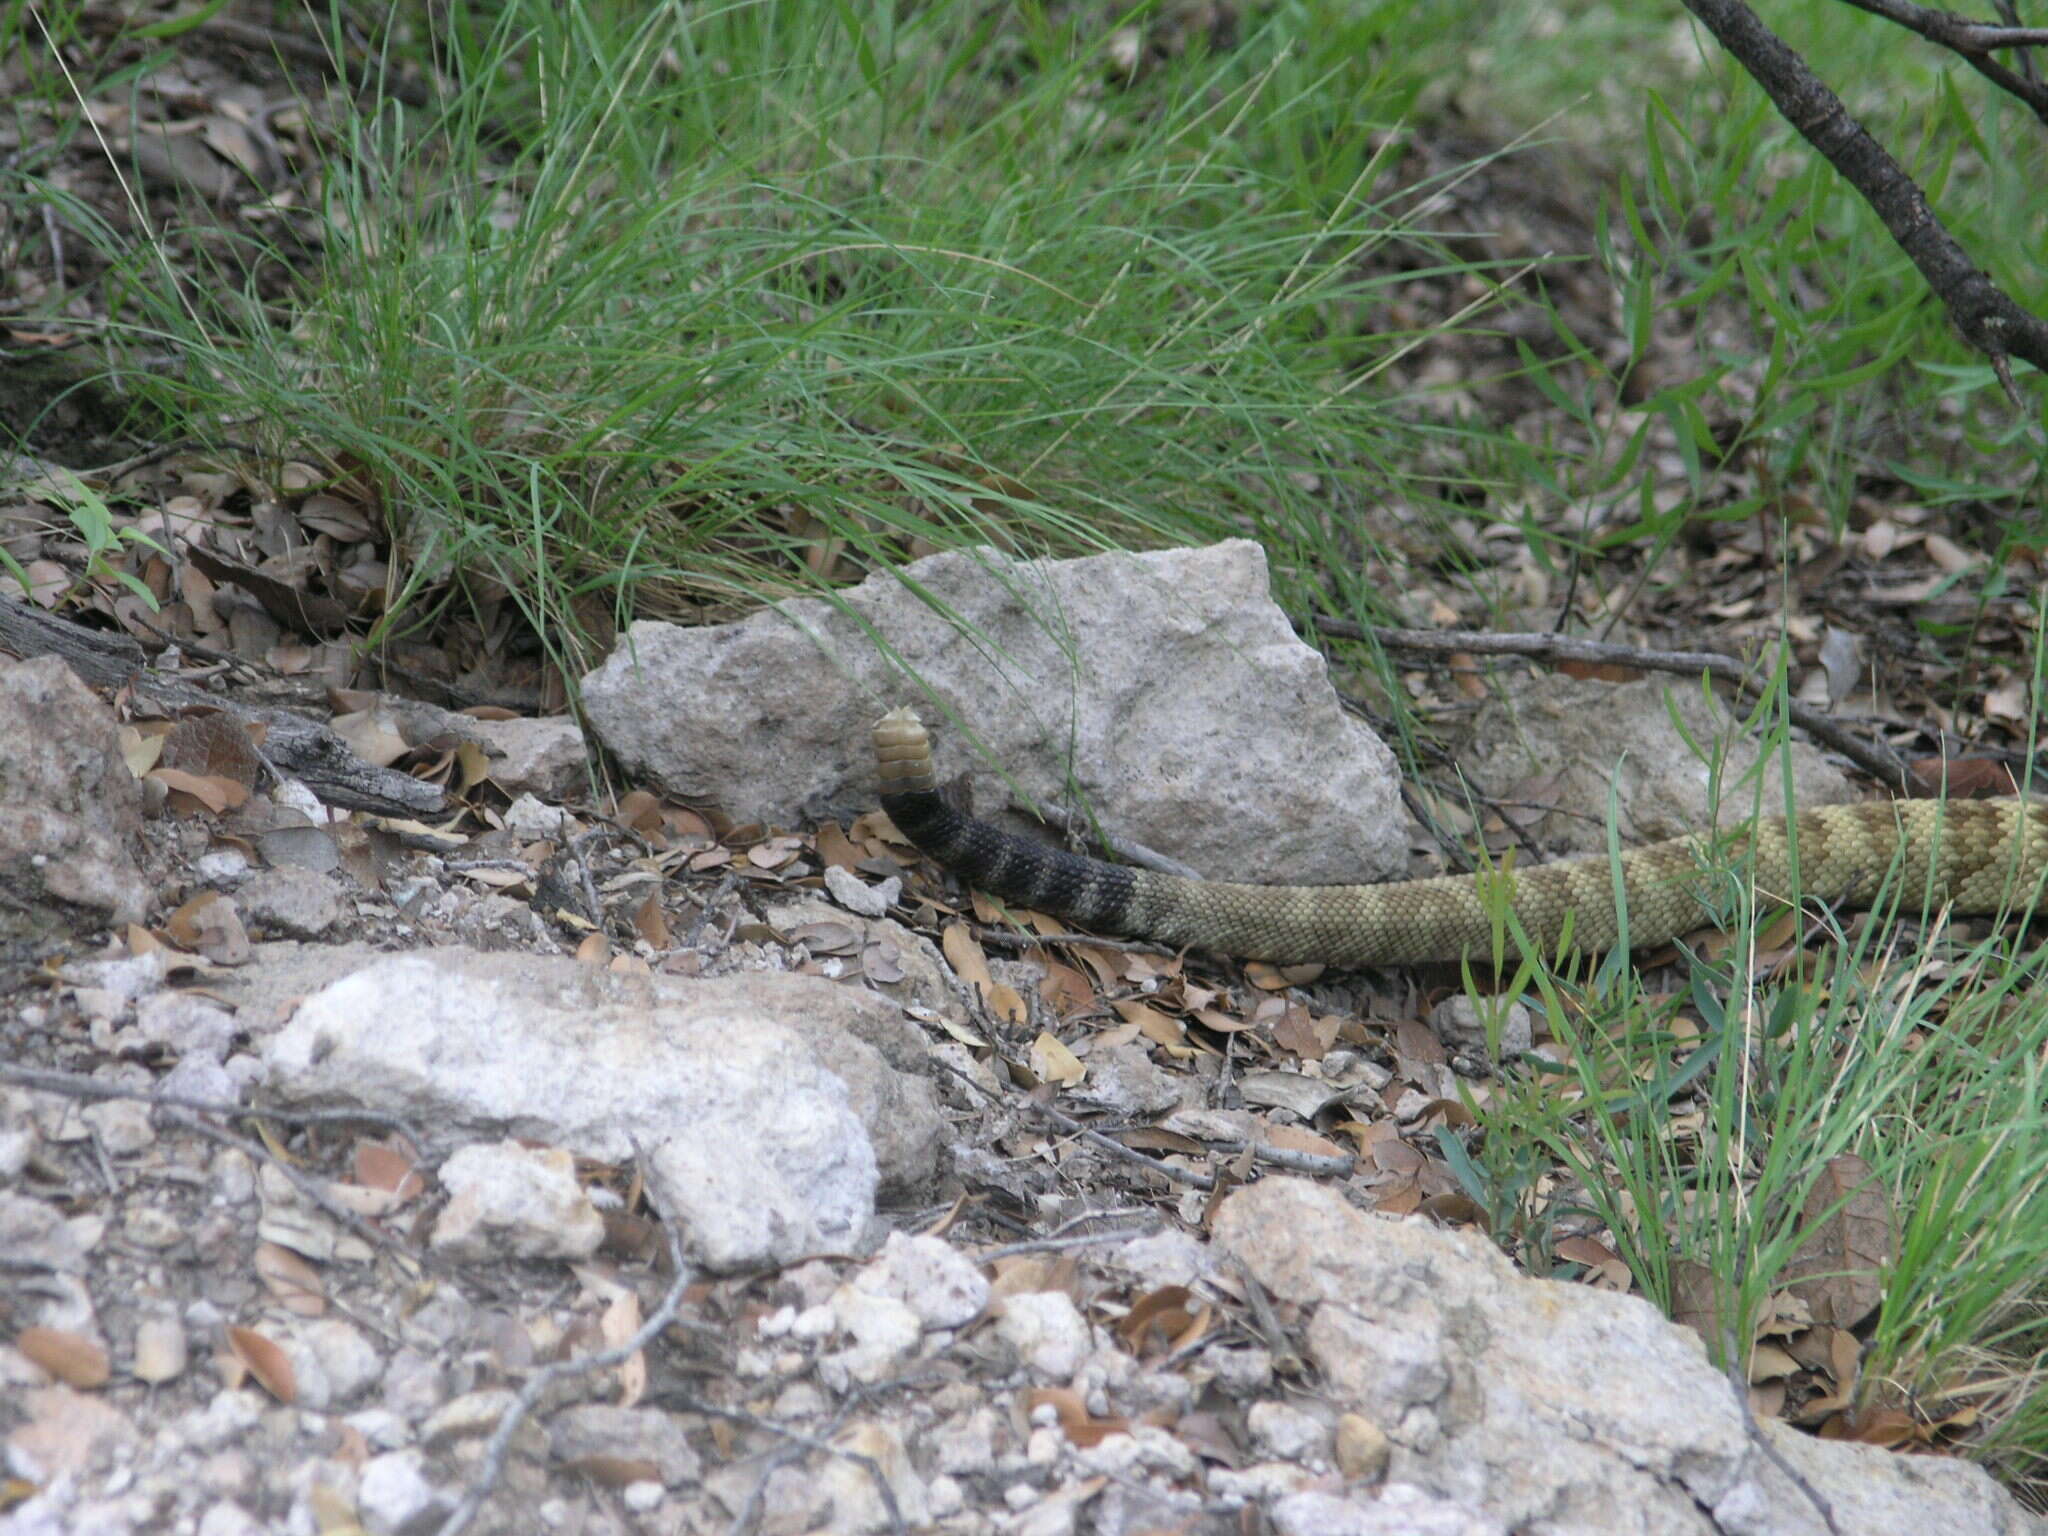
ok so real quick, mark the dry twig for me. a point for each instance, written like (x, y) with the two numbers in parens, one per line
(1878, 761)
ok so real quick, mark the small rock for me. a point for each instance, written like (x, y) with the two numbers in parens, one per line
(884, 1332)
(1401, 1510)
(468, 1417)
(295, 902)
(641, 1497)
(1047, 1331)
(944, 1287)
(185, 1024)
(509, 1199)
(61, 1432)
(1363, 1449)
(122, 1125)
(69, 806)
(856, 895)
(648, 1435)
(160, 1350)
(1284, 1431)
(347, 1358)
(230, 1519)
(154, 1228)
(394, 1496)
(532, 820)
(1461, 1023)
(1125, 1081)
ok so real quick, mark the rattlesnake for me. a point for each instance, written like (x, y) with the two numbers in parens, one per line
(1978, 856)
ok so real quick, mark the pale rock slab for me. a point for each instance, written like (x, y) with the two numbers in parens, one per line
(524, 1202)
(1563, 740)
(1168, 689)
(772, 1108)
(1047, 1331)
(1534, 1405)
(69, 807)
(944, 1287)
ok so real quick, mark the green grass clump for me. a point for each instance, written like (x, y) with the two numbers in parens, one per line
(662, 309)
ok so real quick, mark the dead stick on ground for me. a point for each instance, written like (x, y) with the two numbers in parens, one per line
(500, 1444)
(1879, 762)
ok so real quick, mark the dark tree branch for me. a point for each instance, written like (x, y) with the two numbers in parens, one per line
(1974, 41)
(1873, 758)
(1988, 319)
(305, 748)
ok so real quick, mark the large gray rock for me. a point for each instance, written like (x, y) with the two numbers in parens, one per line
(1555, 1407)
(1560, 741)
(69, 807)
(770, 1108)
(1169, 685)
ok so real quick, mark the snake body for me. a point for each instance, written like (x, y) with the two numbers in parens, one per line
(1976, 856)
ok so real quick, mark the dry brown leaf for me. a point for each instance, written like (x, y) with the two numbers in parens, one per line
(266, 1362)
(210, 925)
(1007, 1004)
(1052, 1062)
(1150, 1022)
(1151, 1138)
(620, 1322)
(1695, 1299)
(72, 1358)
(1767, 1362)
(641, 810)
(1454, 1208)
(1962, 776)
(372, 735)
(835, 848)
(192, 793)
(966, 957)
(324, 512)
(1946, 553)
(594, 950)
(216, 746)
(385, 1166)
(1588, 1251)
(1080, 1427)
(1848, 1242)
(651, 923)
(296, 1284)
(1278, 978)
(614, 1471)
(1295, 1138)
(1065, 990)
(1022, 1275)
(1157, 1317)
(1601, 671)
(1306, 1036)
(1402, 1197)
(1888, 1427)
(1880, 538)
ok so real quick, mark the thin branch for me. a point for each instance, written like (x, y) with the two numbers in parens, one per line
(793, 1440)
(1880, 762)
(1988, 319)
(1972, 40)
(77, 1087)
(499, 1446)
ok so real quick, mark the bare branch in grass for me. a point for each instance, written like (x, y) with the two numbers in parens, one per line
(1974, 40)
(1989, 320)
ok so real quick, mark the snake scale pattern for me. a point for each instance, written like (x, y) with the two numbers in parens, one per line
(1979, 856)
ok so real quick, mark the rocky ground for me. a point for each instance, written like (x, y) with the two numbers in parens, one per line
(548, 1170)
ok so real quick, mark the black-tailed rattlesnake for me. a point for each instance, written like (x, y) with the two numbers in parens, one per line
(1980, 856)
